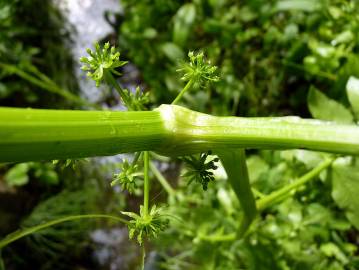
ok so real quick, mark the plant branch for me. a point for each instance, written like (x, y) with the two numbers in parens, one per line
(46, 84)
(285, 191)
(183, 91)
(24, 232)
(111, 80)
(146, 188)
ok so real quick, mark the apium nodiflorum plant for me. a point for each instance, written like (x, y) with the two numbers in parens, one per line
(200, 140)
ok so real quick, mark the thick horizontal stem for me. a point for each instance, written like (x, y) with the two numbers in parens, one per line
(193, 131)
(30, 134)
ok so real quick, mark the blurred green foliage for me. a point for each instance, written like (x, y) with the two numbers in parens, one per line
(35, 38)
(268, 52)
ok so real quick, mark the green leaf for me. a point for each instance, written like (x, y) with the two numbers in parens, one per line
(17, 175)
(324, 108)
(172, 51)
(353, 94)
(183, 22)
(302, 5)
(345, 191)
(256, 167)
(332, 250)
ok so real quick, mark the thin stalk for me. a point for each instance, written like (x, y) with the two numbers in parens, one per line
(111, 80)
(286, 190)
(46, 85)
(162, 180)
(234, 162)
(184, 90)
(30, 134)
(146, 186)
(24, 232)
(143, 257)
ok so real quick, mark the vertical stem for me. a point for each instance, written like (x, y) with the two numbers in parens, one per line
(109, 77)
(234, 162)
(146, 192)
(285, 191)
(184, 90)
(143, 249)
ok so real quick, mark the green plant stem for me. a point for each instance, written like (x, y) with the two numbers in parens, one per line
(162, 180)
(31, 134)
(197, 132)
(143, 257)
(183, 91)
(284, 192)
(234, 162)
(146, 186)
(46, 85)
(28, 134)
(24, 232)
(112, 81)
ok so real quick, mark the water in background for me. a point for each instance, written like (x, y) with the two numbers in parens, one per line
(87, 18)
(114, 251)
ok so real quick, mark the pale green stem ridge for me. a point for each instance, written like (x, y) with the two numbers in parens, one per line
(234, 162)
(286, 190)
(162, 180)
(27, 231)
(146, 188)
(197, 132)
(183, 91)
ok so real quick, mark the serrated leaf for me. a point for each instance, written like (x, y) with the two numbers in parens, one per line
(324, 108)
(345, 190)
(17, 175)
(353, 94)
